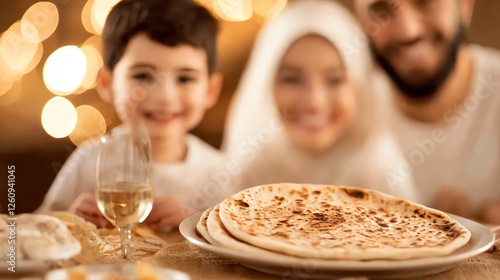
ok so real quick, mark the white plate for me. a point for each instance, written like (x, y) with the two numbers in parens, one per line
(42, 265)
(481, 240)
(101, 272)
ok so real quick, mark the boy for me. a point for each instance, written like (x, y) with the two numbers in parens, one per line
(159, 68)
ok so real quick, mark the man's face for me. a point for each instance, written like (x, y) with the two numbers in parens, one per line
(415, 41)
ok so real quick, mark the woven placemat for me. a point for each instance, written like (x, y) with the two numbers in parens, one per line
(201, 264)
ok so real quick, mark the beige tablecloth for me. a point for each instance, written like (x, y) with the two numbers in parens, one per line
(201, 264)
(175, 252)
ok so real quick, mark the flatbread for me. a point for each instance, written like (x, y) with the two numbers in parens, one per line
(202, 228)
(338, 222)
(222, 237)
(42, 237)
(4, 236)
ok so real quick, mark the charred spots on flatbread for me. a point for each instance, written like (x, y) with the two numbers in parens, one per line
(320, 217)
(323, 221)
(299, 202)
(316, 192)
(241, 203)
(449, 229)
(325, 204)
(281, 234)
(279, 198)
(437, 215)
(355, 193)
(421, 213)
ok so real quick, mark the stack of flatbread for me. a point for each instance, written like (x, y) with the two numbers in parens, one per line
(329, 222)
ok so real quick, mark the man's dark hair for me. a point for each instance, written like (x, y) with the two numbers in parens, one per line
(168, 22)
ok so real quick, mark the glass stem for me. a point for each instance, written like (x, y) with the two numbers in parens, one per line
(126, 238)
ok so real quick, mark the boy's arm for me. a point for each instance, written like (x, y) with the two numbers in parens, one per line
(74, 178)
(167, 212)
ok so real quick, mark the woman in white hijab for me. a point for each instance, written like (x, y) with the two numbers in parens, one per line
(306, 108)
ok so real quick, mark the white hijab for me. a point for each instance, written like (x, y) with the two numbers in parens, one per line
(254, 133)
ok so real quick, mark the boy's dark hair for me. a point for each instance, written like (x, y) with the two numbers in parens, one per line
(169, 22)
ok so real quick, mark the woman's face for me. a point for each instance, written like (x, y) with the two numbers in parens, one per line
(313, 94)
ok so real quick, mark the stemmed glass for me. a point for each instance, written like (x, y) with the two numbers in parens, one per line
(124, 191)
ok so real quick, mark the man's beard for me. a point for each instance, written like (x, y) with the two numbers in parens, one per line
(427, 89)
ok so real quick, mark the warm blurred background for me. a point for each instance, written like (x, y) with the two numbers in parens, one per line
(49, 56)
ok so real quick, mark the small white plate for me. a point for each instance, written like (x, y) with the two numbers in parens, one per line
(287, 266)
(102, 271)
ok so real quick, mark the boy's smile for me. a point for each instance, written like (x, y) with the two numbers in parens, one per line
(169, 88)
(161, 117)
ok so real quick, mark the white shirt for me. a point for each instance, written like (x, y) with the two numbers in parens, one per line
(462, 151)
(369, 165)
(193, 182)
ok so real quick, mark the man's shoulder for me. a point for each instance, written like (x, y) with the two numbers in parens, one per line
(487, 75)
(486, 58)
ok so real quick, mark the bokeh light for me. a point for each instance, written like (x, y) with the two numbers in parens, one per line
(99, 12)
(43, 17)
(5, 86)
(16, 52)
(65, 70)
(36, 60)
(94, 41)
(29, 32)
(6, 73)
(12, 95)
(90, 125)
(233, 10)
(94, 62)
(59, 117)
(87, 17)
(268, 8)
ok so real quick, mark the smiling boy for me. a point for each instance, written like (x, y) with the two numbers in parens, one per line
(159, 68)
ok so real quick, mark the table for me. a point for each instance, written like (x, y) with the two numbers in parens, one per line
(179, 254)
(200, 264)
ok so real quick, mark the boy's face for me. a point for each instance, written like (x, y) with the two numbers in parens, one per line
(168, 88)
(313, 94)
